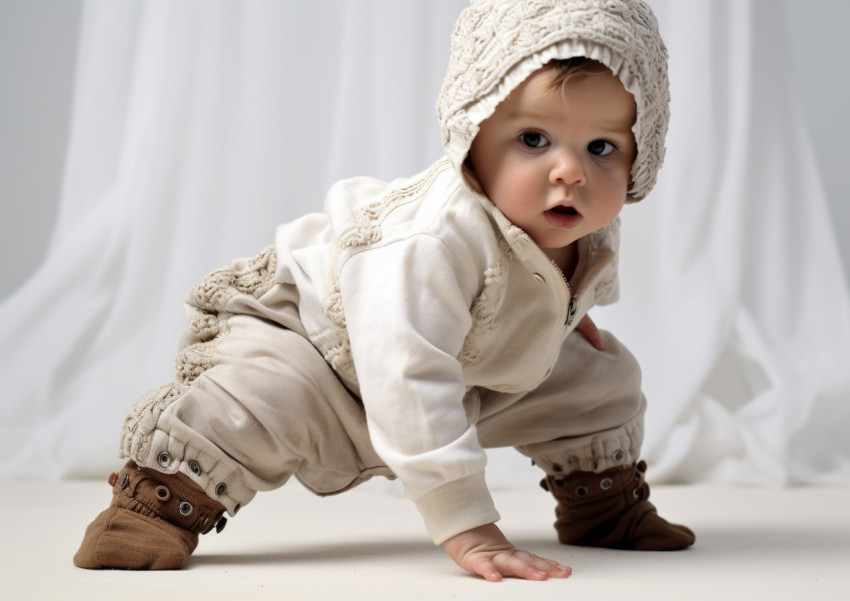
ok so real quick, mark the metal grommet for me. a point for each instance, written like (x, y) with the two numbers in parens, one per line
(125, 481)
(581, 490)
(185, 508)
(162, 493)
(220, 489)
(606, 484)
(164, 458)
(636, 493)
(196, 469)
(618, 455)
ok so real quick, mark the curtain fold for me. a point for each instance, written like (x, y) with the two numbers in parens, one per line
(198, 126)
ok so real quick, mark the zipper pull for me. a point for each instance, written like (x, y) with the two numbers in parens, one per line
(571, 311)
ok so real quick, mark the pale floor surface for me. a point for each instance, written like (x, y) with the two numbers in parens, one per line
(752, 543)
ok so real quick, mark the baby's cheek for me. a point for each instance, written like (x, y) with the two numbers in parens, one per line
(614, 203)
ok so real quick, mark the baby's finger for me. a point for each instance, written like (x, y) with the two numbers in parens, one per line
(552, 568)
(519, 564)
(485, 568)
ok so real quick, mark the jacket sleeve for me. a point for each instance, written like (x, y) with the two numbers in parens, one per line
(407, 314)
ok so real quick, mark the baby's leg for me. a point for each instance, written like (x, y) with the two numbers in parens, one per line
(263, 405)
(584, 427)
(269, 408)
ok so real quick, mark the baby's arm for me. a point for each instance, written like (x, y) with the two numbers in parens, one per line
(486, 552)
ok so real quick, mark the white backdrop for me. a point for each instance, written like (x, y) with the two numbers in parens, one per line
(198, 126)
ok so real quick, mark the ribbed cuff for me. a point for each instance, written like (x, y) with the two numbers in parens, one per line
(457, 506)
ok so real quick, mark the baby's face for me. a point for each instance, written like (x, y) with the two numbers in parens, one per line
(557, 163)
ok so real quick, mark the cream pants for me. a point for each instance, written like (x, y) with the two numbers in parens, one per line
(254, 403)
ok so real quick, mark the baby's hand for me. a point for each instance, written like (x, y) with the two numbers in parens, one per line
(486, 552)
(591, 332)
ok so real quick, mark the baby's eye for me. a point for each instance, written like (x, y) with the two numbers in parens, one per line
(600, 148)
(533, 139)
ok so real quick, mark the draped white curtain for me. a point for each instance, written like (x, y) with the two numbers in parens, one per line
(198, 126)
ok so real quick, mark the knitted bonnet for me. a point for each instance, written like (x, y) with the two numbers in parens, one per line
(497, 44)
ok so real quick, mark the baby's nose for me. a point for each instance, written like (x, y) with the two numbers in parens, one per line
(567, 169)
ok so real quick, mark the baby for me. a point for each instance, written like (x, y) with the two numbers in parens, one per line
(417, 322)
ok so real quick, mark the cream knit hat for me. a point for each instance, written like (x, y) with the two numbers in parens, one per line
(497, 44)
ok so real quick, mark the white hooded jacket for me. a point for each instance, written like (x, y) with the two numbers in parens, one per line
(418, 292)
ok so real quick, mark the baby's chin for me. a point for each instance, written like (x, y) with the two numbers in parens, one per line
(563, 255)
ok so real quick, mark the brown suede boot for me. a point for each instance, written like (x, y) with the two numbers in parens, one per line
(612, 510)
(152, 523)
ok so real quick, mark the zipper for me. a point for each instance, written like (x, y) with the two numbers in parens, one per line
(572, 306)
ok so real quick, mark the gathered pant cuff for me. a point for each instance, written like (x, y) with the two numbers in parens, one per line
(593, 453)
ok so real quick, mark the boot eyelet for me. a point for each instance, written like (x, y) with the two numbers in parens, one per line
(581, 490)
(618, 455)
(606, 484)
(125, 481)
(220, 489)
(220, 525)
(164, 458)
(162, 493)
(196, 469)
(185, 508)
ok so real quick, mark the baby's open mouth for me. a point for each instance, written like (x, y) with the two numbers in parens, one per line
(561, 210)
(563, 216)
